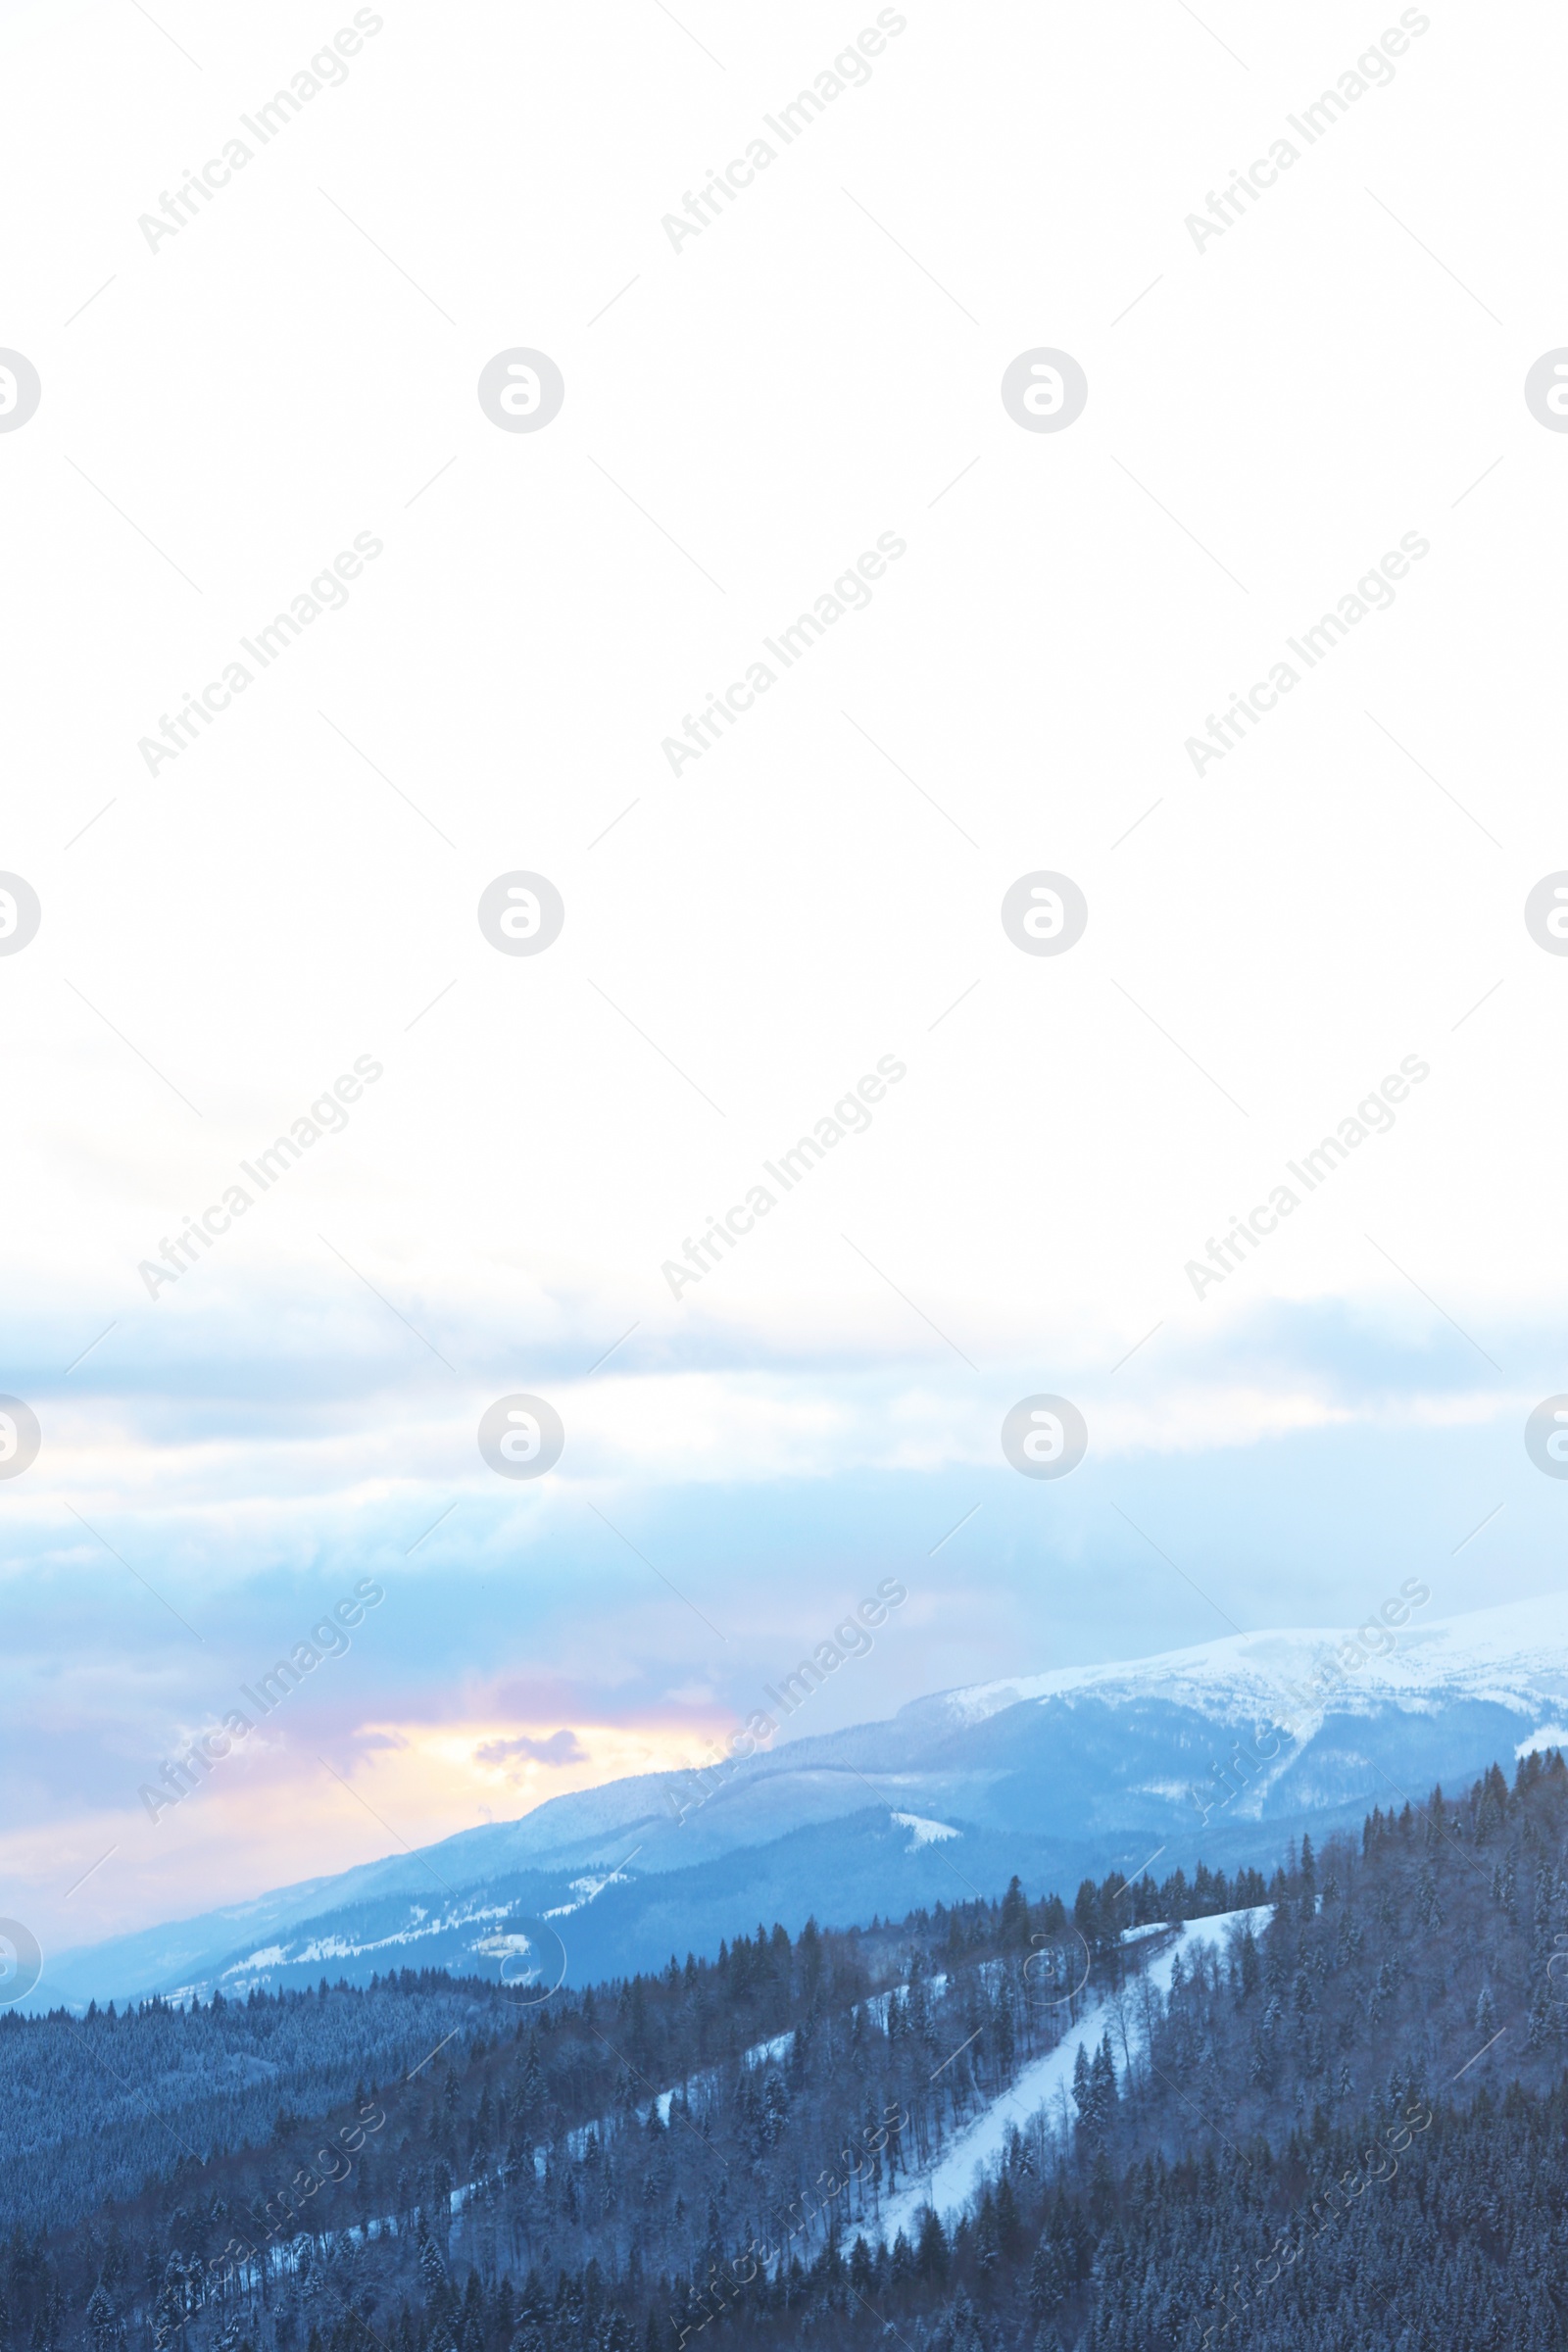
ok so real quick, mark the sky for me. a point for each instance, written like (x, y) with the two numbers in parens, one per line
(504, 1195)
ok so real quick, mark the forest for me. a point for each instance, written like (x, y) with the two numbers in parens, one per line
(1339, 2120)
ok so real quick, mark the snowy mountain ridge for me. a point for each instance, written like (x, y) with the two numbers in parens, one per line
(1499, 1655)
(1217, 1752)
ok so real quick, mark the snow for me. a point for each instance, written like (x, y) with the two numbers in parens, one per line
(926, 1832)
(760, 2053)
(587, 1889)
(507, 1947)
(982, 2143)
(1213, 1933)
(1496, 1654)
(772, 2052)
(1551, 1735)
(339, 1947)
(877, 2005)
(763, 2053)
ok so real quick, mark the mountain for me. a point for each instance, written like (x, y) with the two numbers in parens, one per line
(1227, 1748)
(1323, 2110)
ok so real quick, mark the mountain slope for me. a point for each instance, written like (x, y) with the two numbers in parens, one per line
(1227, 1746)
(1335, 2119)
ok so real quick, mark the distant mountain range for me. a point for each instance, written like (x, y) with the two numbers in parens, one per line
(1219, 1752)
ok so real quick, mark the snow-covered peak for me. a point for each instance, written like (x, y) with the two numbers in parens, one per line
(1513, 1654)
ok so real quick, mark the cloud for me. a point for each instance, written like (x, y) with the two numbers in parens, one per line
(562, 1747)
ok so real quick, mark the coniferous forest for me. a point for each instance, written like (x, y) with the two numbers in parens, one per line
(1341, 2121)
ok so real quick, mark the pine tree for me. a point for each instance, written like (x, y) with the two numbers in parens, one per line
(1008, 2222)
(1048, 2282)
(1082, 2088)
(931, 2251)
(1103, 2076)
(103, 2329)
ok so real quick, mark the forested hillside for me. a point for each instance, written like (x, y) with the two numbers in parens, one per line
(94, 2107)
(1347, 2129)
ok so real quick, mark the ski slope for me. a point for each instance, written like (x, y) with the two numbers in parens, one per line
(976, 2150)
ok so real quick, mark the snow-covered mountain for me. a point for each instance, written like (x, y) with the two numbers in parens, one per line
(1220, 1751)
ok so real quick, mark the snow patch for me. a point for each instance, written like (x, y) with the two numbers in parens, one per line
(926, 1832)
(341, 1948)
(765, 2053)
(877, 2006)
(586, 1890)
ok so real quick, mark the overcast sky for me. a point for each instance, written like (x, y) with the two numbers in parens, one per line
(291, 378)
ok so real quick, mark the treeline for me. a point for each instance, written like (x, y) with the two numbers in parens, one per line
(1347, 2127)
(103, 2105)
(1102, 1913)
(106, 2105)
